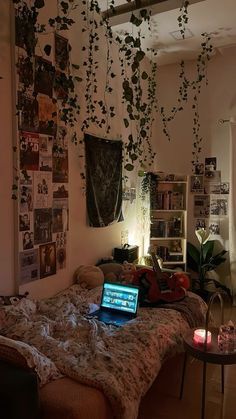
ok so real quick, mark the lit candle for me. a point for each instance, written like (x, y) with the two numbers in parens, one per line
(200, 337)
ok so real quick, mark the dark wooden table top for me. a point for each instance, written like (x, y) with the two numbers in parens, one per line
(212, 354)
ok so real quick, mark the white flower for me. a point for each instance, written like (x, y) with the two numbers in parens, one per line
(202, 235)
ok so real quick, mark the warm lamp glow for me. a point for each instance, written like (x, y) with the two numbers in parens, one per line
(200, 337)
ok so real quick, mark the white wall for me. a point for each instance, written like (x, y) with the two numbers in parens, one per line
(86, 244)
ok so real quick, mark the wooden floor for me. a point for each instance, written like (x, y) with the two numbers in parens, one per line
(162, 400)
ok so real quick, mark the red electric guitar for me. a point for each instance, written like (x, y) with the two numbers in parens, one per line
(160, 286)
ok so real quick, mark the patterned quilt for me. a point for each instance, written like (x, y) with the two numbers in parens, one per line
(58, 339)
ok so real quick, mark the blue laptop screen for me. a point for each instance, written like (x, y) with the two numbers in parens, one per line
(120, 297)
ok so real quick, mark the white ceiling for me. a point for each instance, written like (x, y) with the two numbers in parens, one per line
(217, 17)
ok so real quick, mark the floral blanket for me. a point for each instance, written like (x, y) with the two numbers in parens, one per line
(122, 362)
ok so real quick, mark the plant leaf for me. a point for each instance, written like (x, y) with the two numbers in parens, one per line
(208, 250)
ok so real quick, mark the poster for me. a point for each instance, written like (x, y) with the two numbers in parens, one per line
(200, 223)
(26, 198)
(214, 226)
(224, 187)
(29, 266)
(45, 153)
(24, 222)
(211, 179)
(27, 240)
(42, 225)
(60, 190)
(42, 190)
(29, 151)
(47, 257)
(61, 241)
(25, 71)
(60, 161)
(28, 112)
(197, 183)
(210, 164)
(201, 206)
(218, 206)
(44, 74)
(47, 115)
(61, 53)
(60, 215)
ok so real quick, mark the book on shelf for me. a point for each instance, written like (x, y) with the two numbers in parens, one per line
(168, 200)
(166, 228)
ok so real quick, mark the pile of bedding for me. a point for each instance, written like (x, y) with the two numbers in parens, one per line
(58, 338)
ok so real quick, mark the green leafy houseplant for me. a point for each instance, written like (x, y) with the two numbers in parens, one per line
(202, 259)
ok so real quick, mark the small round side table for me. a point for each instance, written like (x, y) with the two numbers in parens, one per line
(207, 354)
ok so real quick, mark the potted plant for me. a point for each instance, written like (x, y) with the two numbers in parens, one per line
(202, 260)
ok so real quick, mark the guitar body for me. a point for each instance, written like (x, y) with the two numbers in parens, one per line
(151, 290)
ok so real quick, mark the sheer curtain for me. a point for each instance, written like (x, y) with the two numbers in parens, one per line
(232, 206)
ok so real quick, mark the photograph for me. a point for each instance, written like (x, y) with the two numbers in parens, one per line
(47, 257)
(211, 178)
(26, 198)
(214, 226)
(29, 151)
(218, 206)
(42, 225)
(224, 188)
(199, 169)
(197, 183)
(42, 190)
(27, 240)
(210, 164)
(201, 206)
(28, 112)
(60, 190)
(24, 222)
(60, 165)
(47, 115)
(61, 53)
(45, 153)
(29, 266)
(60, 215)
(200, 223)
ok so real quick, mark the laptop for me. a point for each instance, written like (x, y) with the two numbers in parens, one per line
(119, 303)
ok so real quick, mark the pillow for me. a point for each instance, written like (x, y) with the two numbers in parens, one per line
(6, 300)
(89, 276)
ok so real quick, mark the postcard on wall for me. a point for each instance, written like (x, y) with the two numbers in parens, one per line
(45, 153)
(199, 169)
(26, 198)
(60, 215)
(47, 257)
(42, 190)
(61, 241)
(42, 225)
(60, 165)
(60, 190)
(25, 71)
(29, 151)
(28, 112)
(26, 177)
(210, 164)
(212, 188)
(61, 52)
(47, 113)
(197, 183)
(224, 188)
(25, 221)
(29, 266)
(44, 74)
(218, 206)
(26, 240)
(211, 178)
(214, 226)
(200, 223)
(201, 206)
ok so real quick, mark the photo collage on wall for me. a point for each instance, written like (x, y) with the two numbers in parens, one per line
(210, 196)
(43, 210)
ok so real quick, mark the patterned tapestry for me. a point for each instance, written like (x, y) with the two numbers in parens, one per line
(103, 180)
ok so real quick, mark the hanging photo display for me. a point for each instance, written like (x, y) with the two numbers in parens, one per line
(43, 208)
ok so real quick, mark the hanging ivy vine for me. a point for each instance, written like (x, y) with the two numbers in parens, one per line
(138, 75)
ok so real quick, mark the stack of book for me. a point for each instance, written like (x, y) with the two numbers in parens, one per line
(168, 200)
(166, 228)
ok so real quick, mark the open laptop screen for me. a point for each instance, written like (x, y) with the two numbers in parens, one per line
(120, 297)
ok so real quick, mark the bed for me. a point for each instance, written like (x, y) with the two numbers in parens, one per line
(87, 369)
